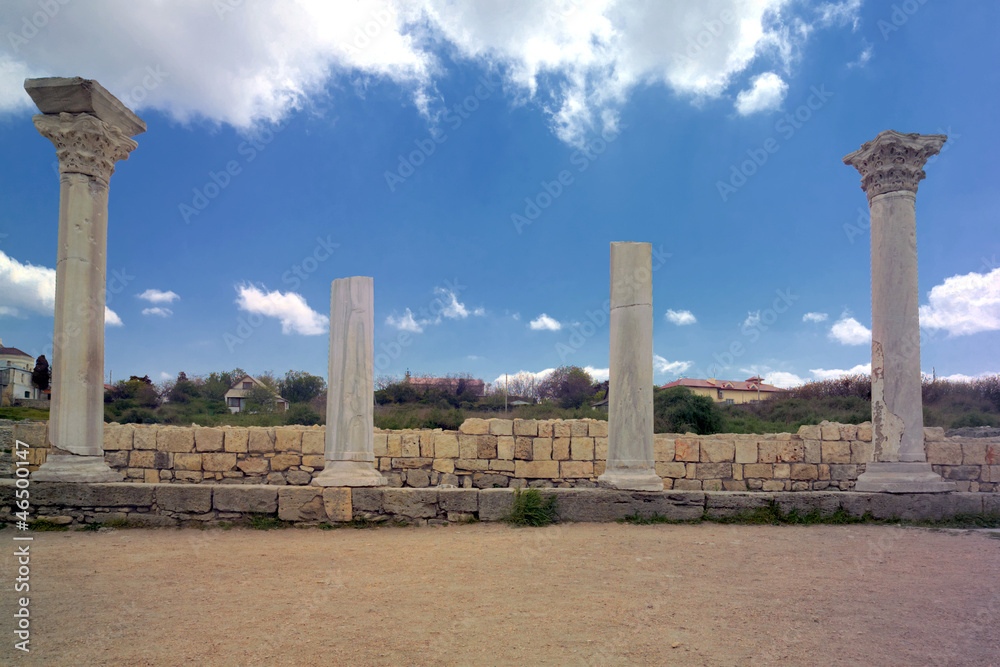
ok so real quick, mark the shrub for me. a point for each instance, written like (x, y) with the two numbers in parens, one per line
(531, 509)
(301, 413)
(679, 410)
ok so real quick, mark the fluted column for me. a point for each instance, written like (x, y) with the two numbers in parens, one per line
(350, 396)
(891, 167)
(90, 129)
(630, 388)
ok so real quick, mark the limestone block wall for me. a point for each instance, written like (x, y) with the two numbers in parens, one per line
(504, 453)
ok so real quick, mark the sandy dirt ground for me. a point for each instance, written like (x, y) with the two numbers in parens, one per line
(577, 594)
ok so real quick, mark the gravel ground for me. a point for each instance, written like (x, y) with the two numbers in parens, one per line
(487, 594)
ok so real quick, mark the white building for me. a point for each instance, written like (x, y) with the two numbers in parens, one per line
(236, 396)
(15, 374)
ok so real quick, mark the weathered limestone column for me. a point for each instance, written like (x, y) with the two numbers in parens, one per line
(891, 167)
(350, 396)
(630, 390)
(90, 129)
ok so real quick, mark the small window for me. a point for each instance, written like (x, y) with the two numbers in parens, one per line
(234, 402)
(729, 401)
(248, 385)
(27, 394)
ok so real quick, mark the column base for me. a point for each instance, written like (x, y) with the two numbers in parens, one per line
(901, 477)
(349, 473)
(630, 480)
(73, 468)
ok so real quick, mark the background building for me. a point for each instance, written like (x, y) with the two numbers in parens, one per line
(729, 391)
(15, 374)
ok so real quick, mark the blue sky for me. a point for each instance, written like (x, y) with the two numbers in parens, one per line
(477, 163)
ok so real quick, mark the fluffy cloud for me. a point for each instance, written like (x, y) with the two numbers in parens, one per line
(964, 305)
(834, 373)
(661, 365)
(159, 296)
(681, 317)
(290, 309)
(783, 379)
(158, 311)
(453, 309)
(815, 317)
(598, 374)
(544, 323)
(577, 62)
(766, 93)
(32, 289)
(848, 331)
(406, 322)
(962, 377)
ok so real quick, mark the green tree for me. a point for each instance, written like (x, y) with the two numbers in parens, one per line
(301, 387)
(41, 377)
(260, 399)
(184, 390)
(570, 386)
(679, 410)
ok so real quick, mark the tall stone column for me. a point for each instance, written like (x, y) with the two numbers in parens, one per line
(630, 389)
(891, 168)
(350, 396)
(90, 129)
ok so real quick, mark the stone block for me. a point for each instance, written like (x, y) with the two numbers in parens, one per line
(236, 440)
(991, 474)
(582, 448)
(973, 453)
(163, 460)
(119, 459)
(187, 498)
(505, 447)
(713, 471)
(486, 480)
(561, 429)
(367, 499)
(287, 440)
(862, 451)
(501, 427)
(687, 485)
(262, 440)
(144, 437)
(812, 451)
(573, 469)
(738, 470)
(810, 433)
(598, 429)
(961, 472)
(394, 444)
(804, 471)
(824, 471)
(865, 431)
(175, 439)
(446, 446)
(314, 461)
(486, 447)
(503, 466)
(913, 506)
(670, 469)
(283, 462)
(782, 470)
(468, 446)
(745, 451)
(523, 447)
(829, 431)
(411, 503)
(601, 449)
(418, 462)
(686, 449)
(254, 466)
(579, 429)
(542, 449)
(300, 503)
(585, 505)
(599, 468)
(944, 453)
(773, 485)
(118, 437)
(836, 451)
(993, 454)
(560, 449)
(380, 445)
(247, 498)
(933, 434)
(151, 476)
(33, 433)
(208, 439)
(848, 432)
(218, 462)
(427, 445)
(337, 504)
(758, 471)
(458, 500)
(536, 469)
(473, 426)
(717, 451)
(790, 451)
(528, 427)
(546, 429)
(841, 472)
(472, 464)
(418, 478)
(410, 445)
(113, 494)
(495, 504)
(141, 458)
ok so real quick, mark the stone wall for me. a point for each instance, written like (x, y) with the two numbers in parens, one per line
(536, 453)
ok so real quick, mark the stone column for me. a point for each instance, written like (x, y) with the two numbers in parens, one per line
(891, 167)
(350, 396)
(90, 129)
(630, 390)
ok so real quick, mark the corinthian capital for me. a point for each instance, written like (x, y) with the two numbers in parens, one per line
(85, 144)
(893, 161)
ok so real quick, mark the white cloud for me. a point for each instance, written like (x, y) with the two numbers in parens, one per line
(661, 365)
(32, 289)
(544, 323)
(159, 296)
(752, 320)
(516, 317)
(680, 317)
(453, 309)
(158, 311)
(815, 317)
(766, 93)
(962, 377)
(290, 309)
(964, 305)
(783, 379)
(840, 13)
(577, 62)
(406, 322)
(511, 378)
(863, 58)
(166, 376)
(598, 374)
(848, 331)
(834, 373)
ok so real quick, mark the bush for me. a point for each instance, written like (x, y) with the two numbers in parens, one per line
(531, 509)
(301, 413)
(679, 410)
(139, 416)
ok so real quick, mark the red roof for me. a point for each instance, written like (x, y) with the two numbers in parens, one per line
(477, 386)
(14, 352)
(750, 384)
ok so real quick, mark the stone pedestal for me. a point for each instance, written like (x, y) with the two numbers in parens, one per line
(90, 129)
(350, 417)
(630, 390)
(891, 167)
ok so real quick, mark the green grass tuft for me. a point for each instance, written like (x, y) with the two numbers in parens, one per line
(265, 522)
(531, 509)
(44, 525)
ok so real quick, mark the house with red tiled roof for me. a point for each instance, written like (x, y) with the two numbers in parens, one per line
(447, 385)
(729, 391)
